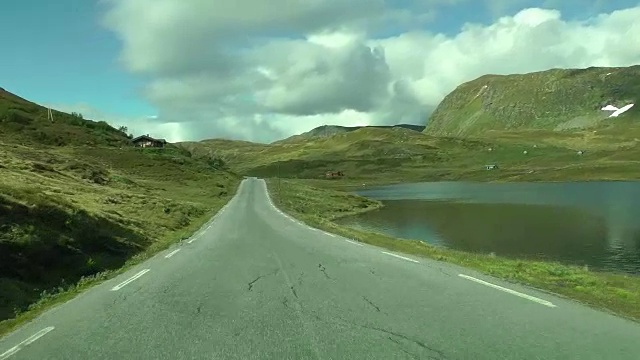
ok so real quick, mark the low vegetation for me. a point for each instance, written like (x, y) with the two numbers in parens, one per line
(74, 213)
(319, 207)
(27, 123)
(371, 155)
(556, 99)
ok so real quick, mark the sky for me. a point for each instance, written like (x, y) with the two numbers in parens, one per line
(188, 70)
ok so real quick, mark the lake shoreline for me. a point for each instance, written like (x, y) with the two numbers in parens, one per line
(320, 207)
(569, 234)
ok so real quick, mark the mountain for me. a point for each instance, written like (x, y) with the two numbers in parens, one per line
(330, 130)
(364, 150)
(556, 99)
(373, 154)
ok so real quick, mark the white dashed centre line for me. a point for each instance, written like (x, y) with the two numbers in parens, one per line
(400, 257)
(512, 292)
(129, 280)
(26, 342)
(171, 253)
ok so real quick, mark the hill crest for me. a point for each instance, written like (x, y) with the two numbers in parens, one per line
(331, 130)
(26, 122)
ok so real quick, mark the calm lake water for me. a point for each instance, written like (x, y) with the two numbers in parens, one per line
(589, 223)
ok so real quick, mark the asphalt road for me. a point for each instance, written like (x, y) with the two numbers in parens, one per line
(256, 284)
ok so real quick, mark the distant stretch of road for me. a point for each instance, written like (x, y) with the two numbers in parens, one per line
(257, 284)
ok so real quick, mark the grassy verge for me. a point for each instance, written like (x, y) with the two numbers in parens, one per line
(71, 218)
(317, 207)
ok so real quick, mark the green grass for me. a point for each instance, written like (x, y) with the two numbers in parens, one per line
(27, 123)
(318, 207)
(73, 216)
(79, 204)
(372, 155)
(555, 99)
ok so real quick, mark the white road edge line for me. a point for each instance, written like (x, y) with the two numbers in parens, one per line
(171, 253)
(354, 242)
(330, 234)
(193, 239)
(26, 342)
(129, 280)
(512, 292)
(400, 257)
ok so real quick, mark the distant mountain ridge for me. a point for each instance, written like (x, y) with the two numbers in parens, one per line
(330, 130)
(556, 99)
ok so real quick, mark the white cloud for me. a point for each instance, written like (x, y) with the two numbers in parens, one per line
(263, 70)
(322, 75)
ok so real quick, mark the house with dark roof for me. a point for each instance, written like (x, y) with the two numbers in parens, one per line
(147, 141)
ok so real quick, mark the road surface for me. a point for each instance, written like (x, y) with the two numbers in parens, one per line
(256, 284)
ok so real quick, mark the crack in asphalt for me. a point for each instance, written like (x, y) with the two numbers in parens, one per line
(444, 272)
(254, 281)
(439, 268)
(435, 354)
(250, 284)
(439, 355)
(308, 330)
(324, 271)
(402, 347)
(124, 296)
(371, 303)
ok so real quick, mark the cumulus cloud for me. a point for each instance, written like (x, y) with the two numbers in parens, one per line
(256, 70)
(323, 74)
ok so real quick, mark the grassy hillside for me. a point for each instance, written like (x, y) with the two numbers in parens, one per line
(372, 155)
(555, 99)
(71, 212)
(233, 152)
(25, 122)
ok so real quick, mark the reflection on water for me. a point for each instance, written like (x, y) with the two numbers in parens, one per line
(593, 224)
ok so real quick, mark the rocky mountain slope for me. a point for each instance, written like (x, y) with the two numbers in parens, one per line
(557, 99)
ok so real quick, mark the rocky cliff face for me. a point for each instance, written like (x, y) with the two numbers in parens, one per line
(556, 99)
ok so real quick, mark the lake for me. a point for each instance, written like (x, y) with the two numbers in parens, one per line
(582, 223)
